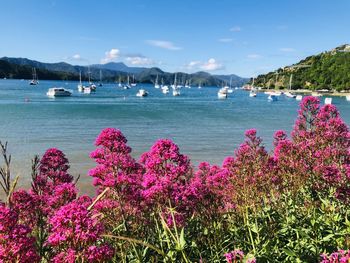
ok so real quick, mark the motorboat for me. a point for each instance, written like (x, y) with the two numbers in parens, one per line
(252, 94)
(142, 93)
(87, 90)
(328, 101)
(289, 94)
(176, 92)
(58, 92)
(299, 97)
(165, 89)
(222, 93)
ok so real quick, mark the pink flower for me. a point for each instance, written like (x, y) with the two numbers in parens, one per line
(16, 243)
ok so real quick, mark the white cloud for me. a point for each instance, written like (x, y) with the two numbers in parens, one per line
(287, 49)
(254, 56)
(225, 40)
(193, 65)
(139, 60)
(110, 56)
(235, 29)
(211, 65)
(163, 44)
(76, 56)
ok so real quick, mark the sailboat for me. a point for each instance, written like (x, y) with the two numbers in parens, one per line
(133, 84)
(156, 85)
(230, 90)
(120, 82)
(199, 85)
(176, 91)
(80, 85)
(288, 93)
(92, 86)
(35, 80)
(127, 86)
(100, 84)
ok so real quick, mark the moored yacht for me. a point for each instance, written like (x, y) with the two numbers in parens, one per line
(176, 92)
(165, 89)
(299, 97)
(58, 92)
(252, 93)
(222, 93)
(328, 101)
(142, 93)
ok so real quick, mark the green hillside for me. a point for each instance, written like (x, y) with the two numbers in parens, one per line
(328, 70)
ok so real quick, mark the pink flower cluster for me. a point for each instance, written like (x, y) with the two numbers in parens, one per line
(237, 256)
(49, 221)
(76, 234)
(340, 256)
(16, 242)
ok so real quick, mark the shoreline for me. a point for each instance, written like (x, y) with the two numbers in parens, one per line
(305, 91)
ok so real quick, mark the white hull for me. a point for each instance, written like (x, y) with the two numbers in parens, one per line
(176, 92)
(289, 95)
(299, 97)
(142, 93)
(58, 92)
(165, 89)
(252, 94)
(328, 101)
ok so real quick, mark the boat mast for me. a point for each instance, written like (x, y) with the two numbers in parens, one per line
(290, 82)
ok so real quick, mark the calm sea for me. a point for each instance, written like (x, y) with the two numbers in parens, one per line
(205, 128)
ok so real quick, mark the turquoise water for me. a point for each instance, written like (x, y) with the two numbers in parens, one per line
(205, 128)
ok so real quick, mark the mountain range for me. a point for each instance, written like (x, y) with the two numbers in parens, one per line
(21, 68)
(328, 70)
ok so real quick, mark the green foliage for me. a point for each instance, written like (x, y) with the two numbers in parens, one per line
(328, 70)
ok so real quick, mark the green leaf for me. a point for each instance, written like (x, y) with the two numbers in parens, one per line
(289, 252)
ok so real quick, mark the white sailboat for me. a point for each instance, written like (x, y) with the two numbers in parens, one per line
(133, 84)
(199, 85)
(156, 85)
(230, 90)
(127, 86)
(120, 82)
(176, 90)
(288, 93)
(80, 85)
(347, 97)
(100, 83)
(92, 86)
(35, 80)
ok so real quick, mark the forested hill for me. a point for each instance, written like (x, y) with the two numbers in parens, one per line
(21, 68)
(327, 70)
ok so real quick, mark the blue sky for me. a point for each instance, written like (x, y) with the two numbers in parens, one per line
(244, 37)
